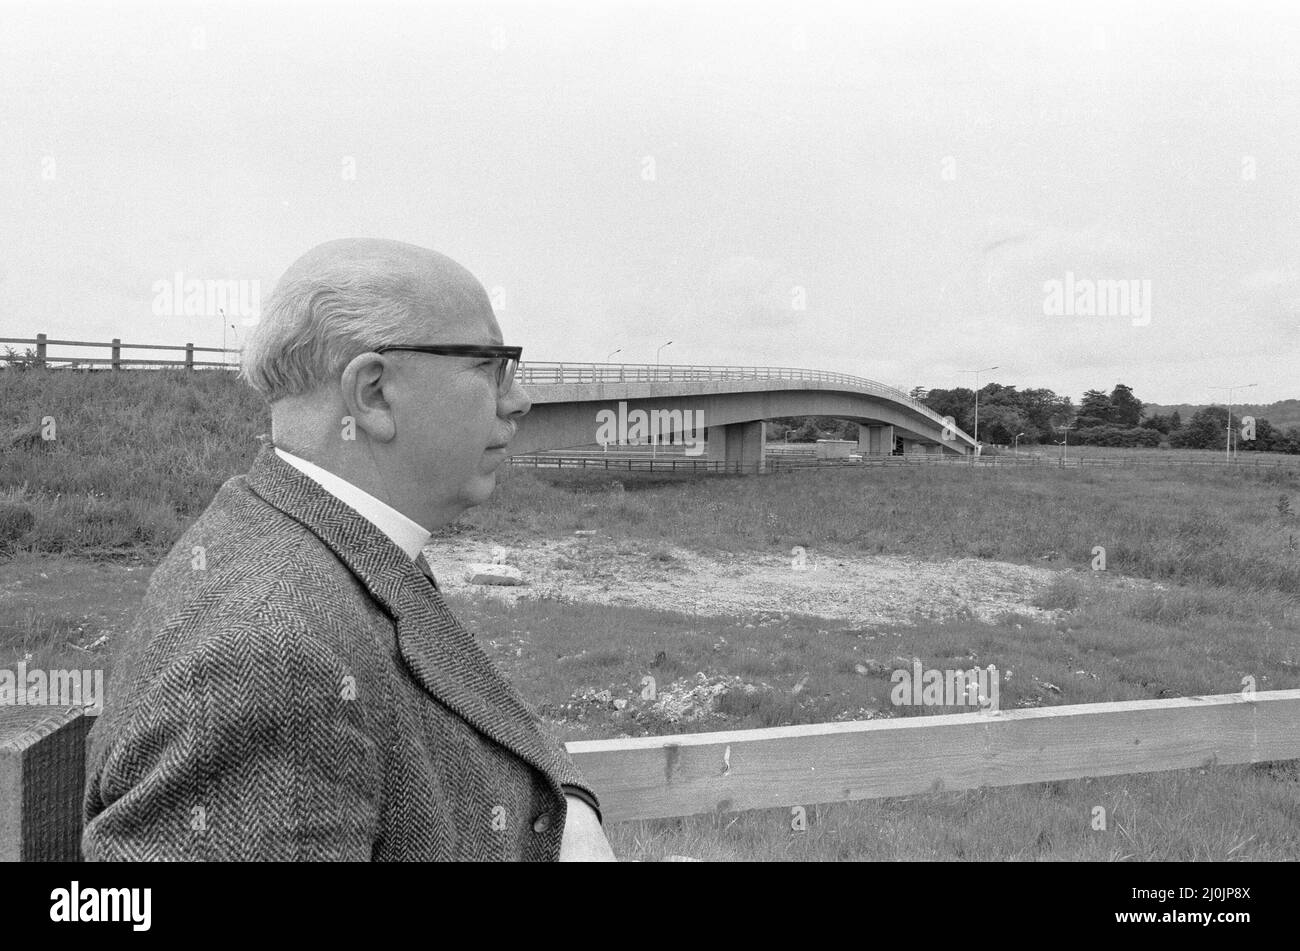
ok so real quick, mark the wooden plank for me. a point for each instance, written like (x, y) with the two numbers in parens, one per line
(688, 774)
(42, 782)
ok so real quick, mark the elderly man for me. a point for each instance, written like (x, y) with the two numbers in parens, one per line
(296, 687)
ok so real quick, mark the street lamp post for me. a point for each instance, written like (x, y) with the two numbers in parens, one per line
(1227, 447)
(654, 437)
(604, 447)
(607, 359)
(1015, 449)
(657, 352)
(1065, 444)
(977, 373)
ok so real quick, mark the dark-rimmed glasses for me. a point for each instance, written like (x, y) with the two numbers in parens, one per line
(507, 358)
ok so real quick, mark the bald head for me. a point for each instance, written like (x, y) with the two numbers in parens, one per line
(436, 282)
(351, 295)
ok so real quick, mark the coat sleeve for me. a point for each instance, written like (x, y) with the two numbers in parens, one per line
(256, 743)
(566, 773)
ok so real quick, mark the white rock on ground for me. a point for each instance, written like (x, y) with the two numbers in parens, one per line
(492, 574)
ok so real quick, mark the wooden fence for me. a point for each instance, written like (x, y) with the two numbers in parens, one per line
(688, 774)
(42, 759)
(116, 361)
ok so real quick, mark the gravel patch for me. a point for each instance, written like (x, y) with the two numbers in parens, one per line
(862, 589)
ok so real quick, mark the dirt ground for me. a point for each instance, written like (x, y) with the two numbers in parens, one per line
(863, 589)
(85, 600)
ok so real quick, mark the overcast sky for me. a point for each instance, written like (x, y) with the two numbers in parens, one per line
(885, 192)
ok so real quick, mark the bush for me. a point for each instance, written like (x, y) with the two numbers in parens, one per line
(1064, 593)
(25, 439)
(16, 520)
(12, 360)
(1119, 436)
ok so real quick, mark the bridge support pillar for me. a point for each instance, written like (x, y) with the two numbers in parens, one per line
(934, 449)
(875, 440)
(740, 445)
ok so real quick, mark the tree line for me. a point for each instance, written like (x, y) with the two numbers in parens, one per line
(1008, 415)
(1116, 418)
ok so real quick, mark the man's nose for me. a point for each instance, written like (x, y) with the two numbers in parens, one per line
(516, 402)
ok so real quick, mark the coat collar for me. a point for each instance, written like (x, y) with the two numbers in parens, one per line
(442, 655)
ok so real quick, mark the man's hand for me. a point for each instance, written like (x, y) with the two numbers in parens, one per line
(584, 840)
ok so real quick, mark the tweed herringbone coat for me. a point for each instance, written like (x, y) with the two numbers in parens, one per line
(296, 689)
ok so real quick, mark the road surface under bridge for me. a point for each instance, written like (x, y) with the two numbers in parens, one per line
(717, 411)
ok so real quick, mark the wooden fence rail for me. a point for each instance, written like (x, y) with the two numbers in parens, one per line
(42, 759)
(116, 360)
(687, 774)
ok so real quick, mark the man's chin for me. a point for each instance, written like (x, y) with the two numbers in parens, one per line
(480, 488)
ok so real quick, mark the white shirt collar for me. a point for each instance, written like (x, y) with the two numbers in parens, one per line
(406, 534)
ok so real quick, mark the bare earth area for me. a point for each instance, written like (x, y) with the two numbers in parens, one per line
(82, 601)
(863, 589)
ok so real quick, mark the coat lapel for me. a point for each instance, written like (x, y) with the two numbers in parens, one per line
(442, 655)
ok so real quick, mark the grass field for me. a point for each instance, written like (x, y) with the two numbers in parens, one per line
(1213, 554)
(1140, 455)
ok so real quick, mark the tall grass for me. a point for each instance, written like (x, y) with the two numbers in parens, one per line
(1179, 525)
(139, 454)
(135, 454)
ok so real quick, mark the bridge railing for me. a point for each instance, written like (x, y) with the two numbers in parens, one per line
(623, 463)
(536, 374)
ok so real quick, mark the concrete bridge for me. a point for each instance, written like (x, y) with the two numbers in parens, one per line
(574, 405)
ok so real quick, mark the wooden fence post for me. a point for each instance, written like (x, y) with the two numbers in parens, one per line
(40, 349)
(189, 356)
(117, 354)
(42, 782)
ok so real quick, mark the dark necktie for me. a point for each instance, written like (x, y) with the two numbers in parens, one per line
(422, 563)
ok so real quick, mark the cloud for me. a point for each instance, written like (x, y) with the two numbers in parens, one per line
(1270, 278)
(1014, 244)
(752, 292)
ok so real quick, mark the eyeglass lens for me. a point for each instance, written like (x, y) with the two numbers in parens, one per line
(506, 374)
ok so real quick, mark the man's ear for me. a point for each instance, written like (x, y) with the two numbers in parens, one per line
(364, 400)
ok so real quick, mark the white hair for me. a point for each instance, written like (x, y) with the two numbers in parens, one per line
(311, 328)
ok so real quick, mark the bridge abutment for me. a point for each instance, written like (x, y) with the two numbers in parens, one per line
(741, 445)
(875, 440)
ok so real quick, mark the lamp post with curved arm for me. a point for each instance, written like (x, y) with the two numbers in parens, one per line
(604, 447)
(1238, 386)
(657, 352)
(654, 437)
(977, 398)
